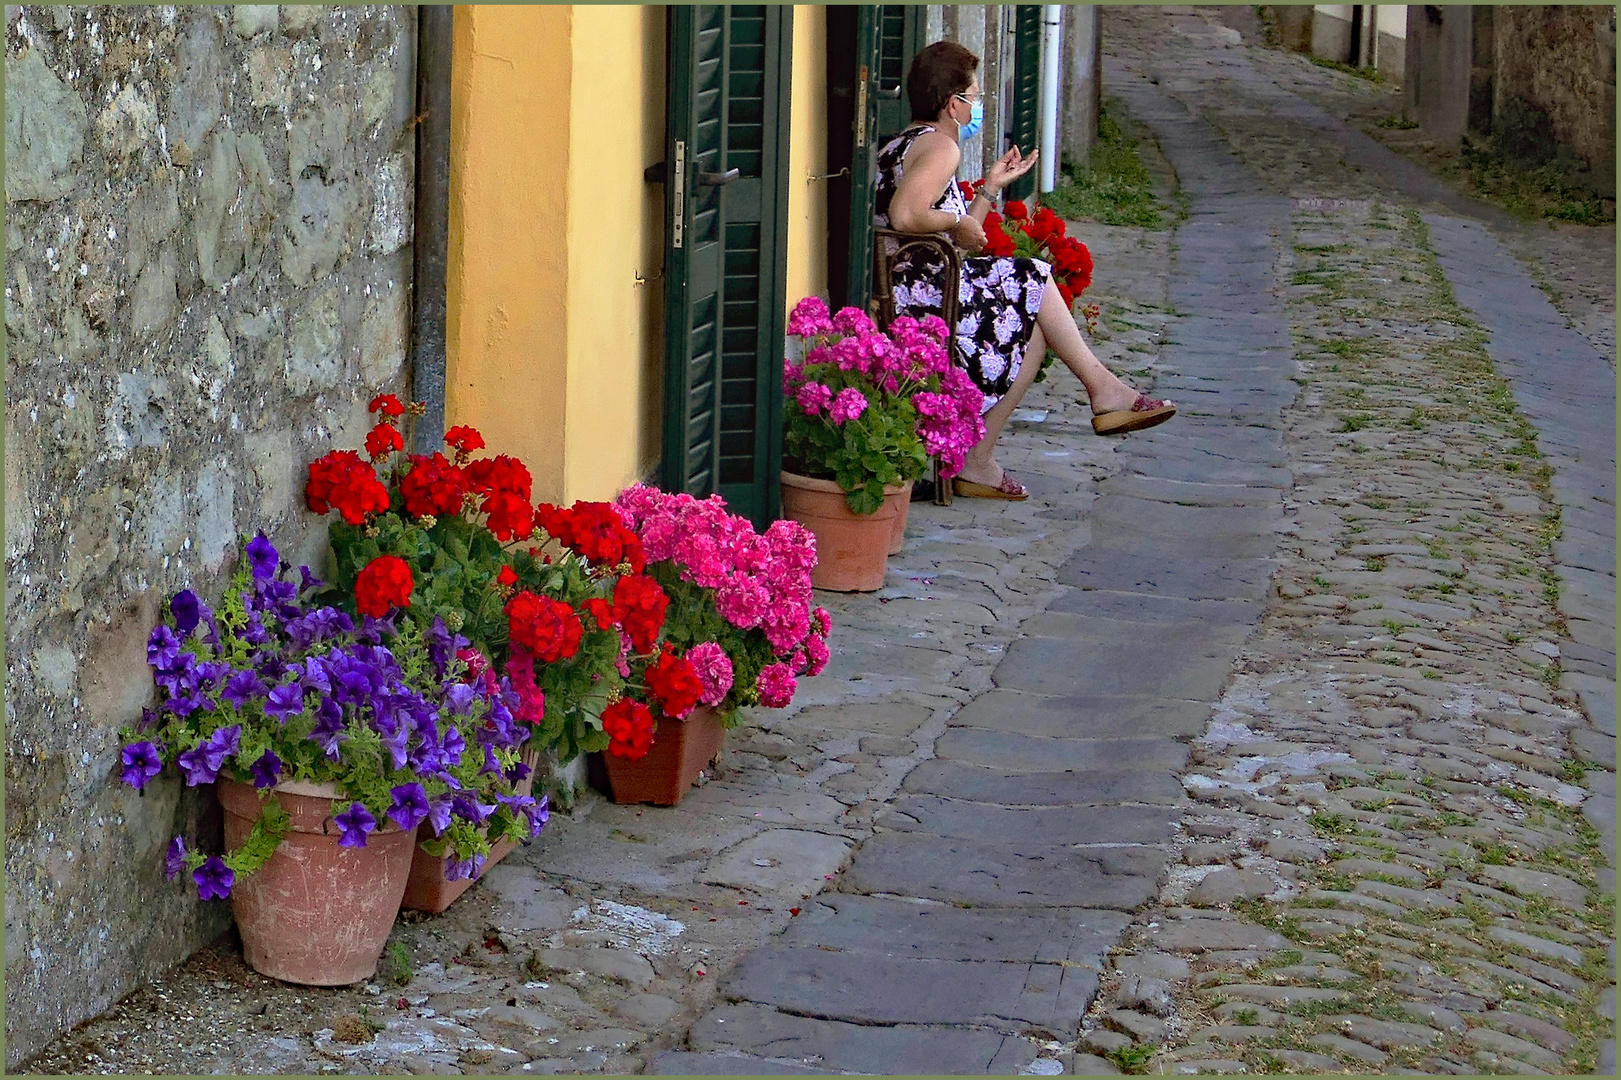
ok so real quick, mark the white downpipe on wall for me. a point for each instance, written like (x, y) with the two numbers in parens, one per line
(1052, 40)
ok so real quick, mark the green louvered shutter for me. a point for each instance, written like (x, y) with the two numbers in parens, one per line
(1026, 91)
(726, 242)
(900, 37)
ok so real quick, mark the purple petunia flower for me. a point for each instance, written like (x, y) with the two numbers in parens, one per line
(355, 822)
(223, 743)
(198, 767)
(468, 806)
(262, 554)
(539, 815)
(174, 860)
(410, 805)
(453, 744)
(141, 763)
(285, 701)
(459, 699)
(439, 814)
(307, 580)
(214, 879)
(457, 869)
(517, 772)
(186, 611)
(162, 648)
(267, 770)
(243, 685)
(328, 730)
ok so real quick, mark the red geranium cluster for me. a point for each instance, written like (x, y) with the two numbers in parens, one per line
(673, 683)
(383, 583)
(547, 628)
(341, 481)
(1043, 234)
(505, 484)
(629, 724)
(433, 488)
(595, 532)
(639, 606)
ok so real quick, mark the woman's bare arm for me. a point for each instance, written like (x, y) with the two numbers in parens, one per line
(930, 164)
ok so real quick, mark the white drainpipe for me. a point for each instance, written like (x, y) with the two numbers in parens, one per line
(1051, 46)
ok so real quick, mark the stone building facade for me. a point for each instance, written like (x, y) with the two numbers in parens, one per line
(208, 276)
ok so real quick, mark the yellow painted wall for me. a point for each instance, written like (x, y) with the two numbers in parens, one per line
(807, 156)
(615, 233)
(509, 204)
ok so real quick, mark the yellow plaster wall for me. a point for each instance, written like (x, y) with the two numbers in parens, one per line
(807, 156)
(615, 234)
(508, 288)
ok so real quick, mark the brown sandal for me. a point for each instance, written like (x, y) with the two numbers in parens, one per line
(1145, 412)
(1009, 489)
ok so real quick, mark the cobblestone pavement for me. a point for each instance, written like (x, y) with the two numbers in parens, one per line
(1279, 738)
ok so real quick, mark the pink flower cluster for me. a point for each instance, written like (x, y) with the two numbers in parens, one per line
(910, 361)
(759, 581)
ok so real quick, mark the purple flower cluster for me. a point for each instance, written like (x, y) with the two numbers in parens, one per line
(278, 685)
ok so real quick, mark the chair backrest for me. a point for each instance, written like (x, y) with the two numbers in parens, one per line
(883, 285)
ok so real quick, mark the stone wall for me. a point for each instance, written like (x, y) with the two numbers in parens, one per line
(208, 225)
(1555, 75)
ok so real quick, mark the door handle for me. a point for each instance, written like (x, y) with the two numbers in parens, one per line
(718, 179)
(893, 93)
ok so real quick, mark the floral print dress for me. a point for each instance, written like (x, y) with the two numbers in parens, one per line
(998, 297)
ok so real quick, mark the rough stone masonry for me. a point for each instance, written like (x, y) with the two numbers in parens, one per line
(208, 225)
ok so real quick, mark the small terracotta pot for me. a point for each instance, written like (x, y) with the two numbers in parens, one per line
(428, 889)
(316, 914)
(902, 502)
(681, 749)
(852, 550)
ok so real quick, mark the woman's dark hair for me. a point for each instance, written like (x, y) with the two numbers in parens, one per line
(939, 71)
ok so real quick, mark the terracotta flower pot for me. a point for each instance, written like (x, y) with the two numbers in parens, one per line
(316, 914)
(852, 550)
(681, 749)
(428, 889)
(902, 501)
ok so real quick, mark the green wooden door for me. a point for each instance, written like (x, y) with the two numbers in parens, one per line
(1024, 131)
(725, 277)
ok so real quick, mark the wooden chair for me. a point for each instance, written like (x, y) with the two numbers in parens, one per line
(884, 300)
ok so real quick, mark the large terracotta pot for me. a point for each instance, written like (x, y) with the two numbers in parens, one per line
(902, 501)
(681, 749)
(428, 889)
(852, 550)
(315, 914)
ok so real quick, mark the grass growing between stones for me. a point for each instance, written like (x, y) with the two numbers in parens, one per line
(1115, 187)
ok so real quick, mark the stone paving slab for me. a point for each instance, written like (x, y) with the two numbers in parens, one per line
(1046, 826)
(867, 988)
(686, 1063)
(1170, 664)
(903, 1049)
(933, 931)
(1093, 716)
(1037, 753)
(1009, 872)
(976, 784)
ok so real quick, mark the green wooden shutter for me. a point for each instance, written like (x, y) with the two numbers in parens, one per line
(900, 37)
(865, 99)
(726, 243)
(1026, 91)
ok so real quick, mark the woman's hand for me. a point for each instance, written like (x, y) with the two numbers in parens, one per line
(1009, 167)
(969, 235)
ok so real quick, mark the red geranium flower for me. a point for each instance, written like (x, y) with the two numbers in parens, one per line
(507, 576)
(501, 473)
(639, 605)
(546, 627)
(433, 486)
(383, 439)
(384, 583)
(673, 682)
(595, 532)
(387, 404)
(1015, 209)
(509, 515)
(629, 724)
(464, 439)
(601, 611)
(342, 481)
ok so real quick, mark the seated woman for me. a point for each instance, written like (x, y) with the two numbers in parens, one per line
(1009, 308)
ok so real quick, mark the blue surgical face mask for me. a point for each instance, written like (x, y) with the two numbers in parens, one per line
(976, 117)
